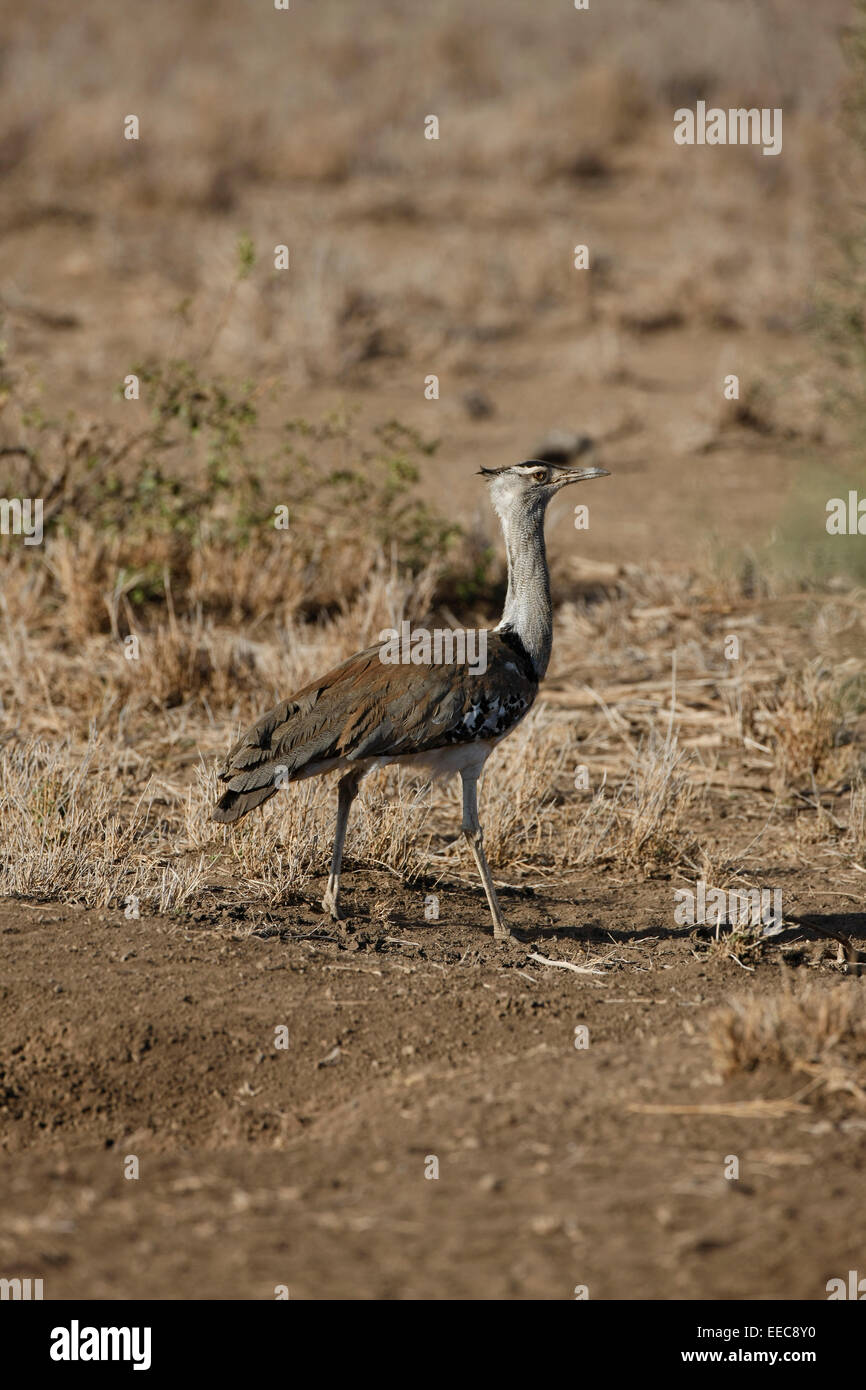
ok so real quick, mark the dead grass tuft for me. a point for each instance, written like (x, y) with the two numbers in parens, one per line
(811, 1032)
(640, 823)
(804, 725)
(855, 832)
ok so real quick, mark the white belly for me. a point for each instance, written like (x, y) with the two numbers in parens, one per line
(438, 762)
(444, 762)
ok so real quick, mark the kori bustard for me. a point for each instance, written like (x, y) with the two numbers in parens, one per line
(438, 719)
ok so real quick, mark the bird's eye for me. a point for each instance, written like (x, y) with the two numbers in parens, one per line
(540, 475)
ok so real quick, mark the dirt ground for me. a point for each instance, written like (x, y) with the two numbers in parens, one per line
(305, 1166)
(430, 1130)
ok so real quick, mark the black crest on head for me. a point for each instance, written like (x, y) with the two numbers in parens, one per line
(525, 463)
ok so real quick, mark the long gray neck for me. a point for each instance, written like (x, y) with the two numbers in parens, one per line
(528, 610)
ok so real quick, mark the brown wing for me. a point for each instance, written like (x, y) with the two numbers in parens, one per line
(366, 708)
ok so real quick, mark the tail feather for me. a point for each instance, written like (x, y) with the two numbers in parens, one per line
(270, 754)
(233, 806)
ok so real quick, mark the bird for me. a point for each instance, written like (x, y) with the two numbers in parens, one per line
(434, 718)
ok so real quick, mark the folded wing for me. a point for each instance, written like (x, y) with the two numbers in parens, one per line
(366, 709)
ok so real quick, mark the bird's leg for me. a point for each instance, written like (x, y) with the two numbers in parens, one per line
(472, 833)
(347, 790)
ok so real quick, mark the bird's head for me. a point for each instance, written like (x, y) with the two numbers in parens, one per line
(528, 487)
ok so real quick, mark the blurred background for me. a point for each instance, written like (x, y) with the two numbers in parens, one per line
(454, 257)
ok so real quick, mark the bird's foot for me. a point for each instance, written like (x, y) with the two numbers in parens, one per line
(331, 906)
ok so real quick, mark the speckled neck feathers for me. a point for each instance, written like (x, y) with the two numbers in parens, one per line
(528, 611)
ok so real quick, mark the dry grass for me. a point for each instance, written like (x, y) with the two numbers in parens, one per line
(111, 820)
(120, 752)
(69, 836)
(811, 1032)
(73, 831)
(804, 725)
(855, 834)
(638, 823)
(160, 512)
(270, 858)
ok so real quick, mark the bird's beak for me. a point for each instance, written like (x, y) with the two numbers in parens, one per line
(579, 475)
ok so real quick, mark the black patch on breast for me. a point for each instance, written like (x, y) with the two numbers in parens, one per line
(491, 713)
(524, 660)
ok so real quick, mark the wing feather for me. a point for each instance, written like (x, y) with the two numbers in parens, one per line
(365, 708)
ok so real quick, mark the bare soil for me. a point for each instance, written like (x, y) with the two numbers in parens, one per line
(305, 1167)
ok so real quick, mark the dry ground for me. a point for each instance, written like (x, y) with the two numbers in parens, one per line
(147, 957)
(557, 1167)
